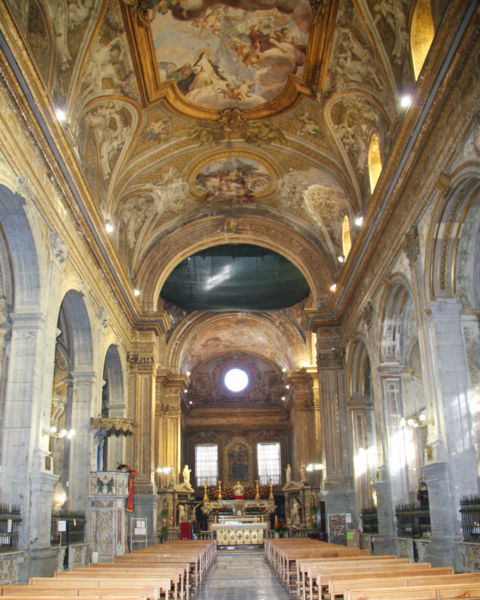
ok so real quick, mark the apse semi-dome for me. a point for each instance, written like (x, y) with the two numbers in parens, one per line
(235, 277)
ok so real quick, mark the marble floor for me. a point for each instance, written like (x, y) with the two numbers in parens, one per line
(241, 575)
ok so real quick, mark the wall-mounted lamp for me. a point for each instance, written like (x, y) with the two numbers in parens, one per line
(164, 470)
(315, 467)
(419, 420)
(63, 433)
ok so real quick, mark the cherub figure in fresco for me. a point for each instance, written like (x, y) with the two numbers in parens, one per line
(238, 92)
(248, 53)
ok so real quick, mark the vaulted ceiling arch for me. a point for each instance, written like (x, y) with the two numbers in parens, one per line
(307, 256)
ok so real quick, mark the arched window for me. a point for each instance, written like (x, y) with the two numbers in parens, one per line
(421, 34)
(374, 161)
(346, 238)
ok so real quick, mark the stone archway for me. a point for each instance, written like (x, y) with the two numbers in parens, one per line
(75, 346)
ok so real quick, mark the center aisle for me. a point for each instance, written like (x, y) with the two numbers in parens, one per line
(241, 575)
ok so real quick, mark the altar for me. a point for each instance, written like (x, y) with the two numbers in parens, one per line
(239, 532)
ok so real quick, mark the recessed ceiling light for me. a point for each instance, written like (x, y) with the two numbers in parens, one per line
(333, 287)
(61, 115)
(358, 221)
(341, 258)
(136, 292)
(405, 101)
(109, 227)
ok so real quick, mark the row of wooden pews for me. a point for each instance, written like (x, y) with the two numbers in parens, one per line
(170, 571)
(315, 570)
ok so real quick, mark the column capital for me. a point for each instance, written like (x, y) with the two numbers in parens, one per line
(141, 362)
(330, 358)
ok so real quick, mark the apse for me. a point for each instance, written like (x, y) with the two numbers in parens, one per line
(230, 277)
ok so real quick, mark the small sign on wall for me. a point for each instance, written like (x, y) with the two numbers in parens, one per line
(61, 526)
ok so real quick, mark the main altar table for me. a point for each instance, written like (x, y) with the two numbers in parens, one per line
(239, 533)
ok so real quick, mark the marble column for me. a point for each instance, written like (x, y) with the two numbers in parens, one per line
(338, 483)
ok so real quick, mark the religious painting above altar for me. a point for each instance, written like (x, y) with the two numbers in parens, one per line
(238, 463)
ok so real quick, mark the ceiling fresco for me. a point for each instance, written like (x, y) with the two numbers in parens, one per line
(230, 54)
(192, 115)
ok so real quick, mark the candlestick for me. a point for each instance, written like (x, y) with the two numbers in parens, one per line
(219, 489)
(205, 494)
(257, 494)
(270, 497)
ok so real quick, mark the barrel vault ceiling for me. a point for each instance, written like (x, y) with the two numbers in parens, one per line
(205, 122)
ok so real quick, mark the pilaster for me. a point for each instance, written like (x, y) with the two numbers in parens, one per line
(168, 413)
(79, 447)
(338, 484)
(142, 375)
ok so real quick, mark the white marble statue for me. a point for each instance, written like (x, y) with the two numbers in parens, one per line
(288, 474)
(186, 475)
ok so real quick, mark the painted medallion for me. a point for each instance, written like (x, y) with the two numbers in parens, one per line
(237, 179)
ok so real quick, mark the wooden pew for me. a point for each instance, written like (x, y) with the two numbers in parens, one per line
(339, 582)
(431, 591)
(90, 592)
(61, 596)
(314, 572)
(306, 567)
(160, 587)
(177, 571)
(34, 594)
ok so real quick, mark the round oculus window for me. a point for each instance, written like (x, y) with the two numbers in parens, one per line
(236, 380)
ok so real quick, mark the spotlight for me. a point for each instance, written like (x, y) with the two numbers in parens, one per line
(341, 258)
(109, 227)
(405, 101)
(333, 287)
(136, 293)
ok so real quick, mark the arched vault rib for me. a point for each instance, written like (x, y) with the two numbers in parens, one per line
(203, 336)
(222, 229)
